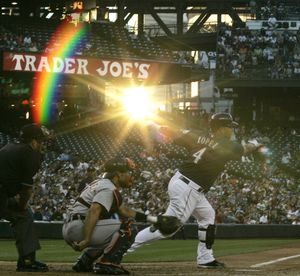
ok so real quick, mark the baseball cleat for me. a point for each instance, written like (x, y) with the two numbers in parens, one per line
(31, 266)
(213, 264)
(109, 268)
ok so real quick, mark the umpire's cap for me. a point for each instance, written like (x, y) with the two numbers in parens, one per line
(33, 131)
(218, 120)
(119, 165)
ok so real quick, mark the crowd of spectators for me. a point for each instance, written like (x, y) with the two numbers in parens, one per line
(21, 42)
(245, 192)
(238, 49)
(281, 9)
(101, 39)
(270, 8)
(267, 53)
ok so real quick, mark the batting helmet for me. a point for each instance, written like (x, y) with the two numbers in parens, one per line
(218, 120)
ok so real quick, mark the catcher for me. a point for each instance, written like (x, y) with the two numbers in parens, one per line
(91, 228)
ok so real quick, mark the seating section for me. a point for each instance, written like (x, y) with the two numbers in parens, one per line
(266, 53)
(103, 142)
(245, 192)
(6, 138)
(102, 39)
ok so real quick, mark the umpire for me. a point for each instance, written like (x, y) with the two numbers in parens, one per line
(19, 162)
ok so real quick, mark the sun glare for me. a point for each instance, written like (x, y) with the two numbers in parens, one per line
(137, 103)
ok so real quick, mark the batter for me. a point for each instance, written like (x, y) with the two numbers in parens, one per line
(208, 155)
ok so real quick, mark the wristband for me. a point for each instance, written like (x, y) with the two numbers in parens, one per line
(141, 217)
(152, 219)
(145, 218)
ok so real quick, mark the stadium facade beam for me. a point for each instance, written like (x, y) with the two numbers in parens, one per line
(202, 9)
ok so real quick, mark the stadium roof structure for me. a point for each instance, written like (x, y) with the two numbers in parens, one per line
(161, 72)
(177, 37)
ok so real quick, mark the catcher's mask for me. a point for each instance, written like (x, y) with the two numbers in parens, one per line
(218, 120)
(123, 165)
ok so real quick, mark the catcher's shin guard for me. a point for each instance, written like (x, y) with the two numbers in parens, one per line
(84, 263)
(207, 235)
(109, 269)
(120, 243)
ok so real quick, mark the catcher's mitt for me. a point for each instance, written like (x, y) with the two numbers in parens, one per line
(167, 225)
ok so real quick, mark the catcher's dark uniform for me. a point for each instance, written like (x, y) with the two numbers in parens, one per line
(18, 164)
(187, 188)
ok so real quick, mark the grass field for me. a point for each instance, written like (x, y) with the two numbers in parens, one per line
(160, 251)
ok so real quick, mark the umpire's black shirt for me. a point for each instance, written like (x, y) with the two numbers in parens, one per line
(207, 157)
(18, 164)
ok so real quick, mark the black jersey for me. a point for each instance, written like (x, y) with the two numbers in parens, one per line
(207, 157)
(18, 164)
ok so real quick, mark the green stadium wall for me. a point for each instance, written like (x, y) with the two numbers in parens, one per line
(52, 230)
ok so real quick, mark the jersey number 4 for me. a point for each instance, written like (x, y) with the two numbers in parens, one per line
(198, 155)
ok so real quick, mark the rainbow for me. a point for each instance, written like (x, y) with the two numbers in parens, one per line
(67, 36)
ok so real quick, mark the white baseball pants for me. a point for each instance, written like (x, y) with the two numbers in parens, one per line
(185, 201)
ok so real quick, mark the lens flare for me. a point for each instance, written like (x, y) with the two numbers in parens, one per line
(137, 103)
(63, 43)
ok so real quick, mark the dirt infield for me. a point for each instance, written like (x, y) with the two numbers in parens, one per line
(283, 261)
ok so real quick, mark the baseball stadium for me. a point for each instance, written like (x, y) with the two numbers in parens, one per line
(150, 137)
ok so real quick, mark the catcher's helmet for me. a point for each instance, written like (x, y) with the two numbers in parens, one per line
(218, 120)
(122, 165)
(119, 165)
(33, 131)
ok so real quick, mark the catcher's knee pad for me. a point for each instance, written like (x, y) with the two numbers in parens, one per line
(121, 242)
(207, 235)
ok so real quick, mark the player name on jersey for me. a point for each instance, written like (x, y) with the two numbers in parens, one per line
(207, 141)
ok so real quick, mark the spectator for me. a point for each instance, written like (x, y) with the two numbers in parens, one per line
(89, 178)
(203, 60)
(37, 214)
(27, 39)
(252, 5)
